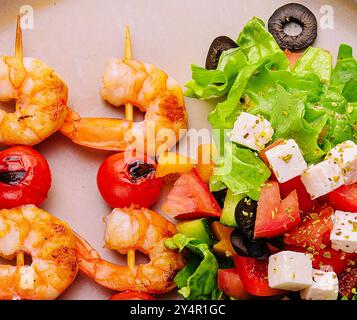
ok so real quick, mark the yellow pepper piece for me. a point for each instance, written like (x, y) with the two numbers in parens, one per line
(171, 162)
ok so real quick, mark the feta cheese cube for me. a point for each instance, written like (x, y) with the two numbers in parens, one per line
(322, 178)
(324, 286)
(344, 233)
(27, 278)
(345, 155)
(289, 270)
(286, 160)
(252, 131)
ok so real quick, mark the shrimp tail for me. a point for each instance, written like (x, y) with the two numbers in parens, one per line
(97, 133)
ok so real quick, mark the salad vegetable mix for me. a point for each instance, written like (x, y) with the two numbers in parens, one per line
(283, 182)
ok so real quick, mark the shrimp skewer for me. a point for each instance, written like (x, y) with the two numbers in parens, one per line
(52, 246)
(41, 98)
(129, 82)
(134, 229)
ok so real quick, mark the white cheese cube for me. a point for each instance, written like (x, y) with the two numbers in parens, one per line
(27, 278)
(345, 155)
(289, 270)
(344, 233)
(252, 131)
(286, 160)
(322, 178)
(324, 286)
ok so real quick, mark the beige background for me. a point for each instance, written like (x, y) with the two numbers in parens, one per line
(77, 37)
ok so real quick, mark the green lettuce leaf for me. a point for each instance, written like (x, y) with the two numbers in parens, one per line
(198, 279)
(206, 84)
(241, 171)
(344, 75)
(286, 113)
(317, 61)
(258, 44)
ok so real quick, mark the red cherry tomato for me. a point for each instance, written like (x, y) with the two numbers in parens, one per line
(25, 177)
(344, 198)
(132, 295)
(129, 180)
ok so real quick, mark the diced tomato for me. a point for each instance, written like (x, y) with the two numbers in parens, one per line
(347, 280)
(293, 57)
(306, 204)
(344, 198)
(264, 158)
(313, 236)
(191, 198)
(313, 231)
(231, 284)
(132, 295)
(275, 216)
(254, 275)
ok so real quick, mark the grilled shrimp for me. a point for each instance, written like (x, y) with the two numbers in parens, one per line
(146, 87)
(134, 229)
(41, 98)
(52, 246)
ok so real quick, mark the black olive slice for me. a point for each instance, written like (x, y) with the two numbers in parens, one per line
(293, 12)
(220, 196)
(246, 247)
(220, 44)
(245, 214)
(12, 177)
(139, 169)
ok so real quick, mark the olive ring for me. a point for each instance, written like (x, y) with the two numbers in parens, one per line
(293, 12)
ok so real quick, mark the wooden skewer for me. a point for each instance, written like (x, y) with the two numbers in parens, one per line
(20, 258)
(129, 116)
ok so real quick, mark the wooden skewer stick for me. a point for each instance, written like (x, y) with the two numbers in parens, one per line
(20, 258)
(129, 116)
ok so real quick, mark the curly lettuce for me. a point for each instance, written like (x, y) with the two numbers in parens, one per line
(198, 279)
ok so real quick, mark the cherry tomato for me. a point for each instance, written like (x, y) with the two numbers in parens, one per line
(25, 177)
(344, 198)
(132, 295)
(129, 180)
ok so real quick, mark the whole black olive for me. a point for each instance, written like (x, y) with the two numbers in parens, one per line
(220, 196)
(246, 247)
(245, 214)
(299, 14)
(220, 44)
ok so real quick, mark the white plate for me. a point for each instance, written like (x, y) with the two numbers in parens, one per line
(76, 38)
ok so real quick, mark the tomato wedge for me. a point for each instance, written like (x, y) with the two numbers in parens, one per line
(254, 275)
(306, 204)
(190, 198)
(132, 295)
(344, 198)
(275, 216)
(313, 236)
(231, 284)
